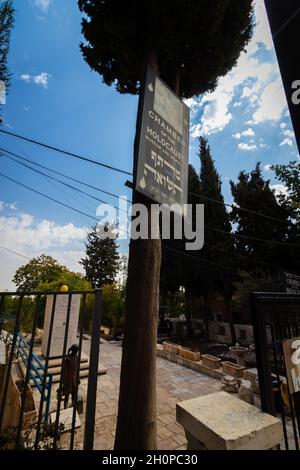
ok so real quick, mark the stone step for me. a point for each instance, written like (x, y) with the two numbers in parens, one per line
(56, 362)
(84, 373)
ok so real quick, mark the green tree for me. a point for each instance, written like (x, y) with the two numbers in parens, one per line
(290, 176)
(6, 24)
(74, 281)
(213, 276)
(189, 44)
(102, 259)
(43, 269)
(113, 307)
(253, 193)
(258, 282)
(195, 42)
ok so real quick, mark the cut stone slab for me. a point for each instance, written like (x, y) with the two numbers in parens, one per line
(188, 354)
(170, 347)
(221, 421)
(230, 368)
(65, 418)
(210, 361)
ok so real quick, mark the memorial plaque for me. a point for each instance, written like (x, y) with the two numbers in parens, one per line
(292, 283)
(291, 352)
(162, 169)
(59, 324)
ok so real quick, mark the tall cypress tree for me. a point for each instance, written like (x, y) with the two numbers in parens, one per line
(218, 245)
(253, 193)
(6, 25)
(102, 259)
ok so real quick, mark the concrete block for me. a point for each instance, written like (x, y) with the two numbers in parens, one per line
(221, 421)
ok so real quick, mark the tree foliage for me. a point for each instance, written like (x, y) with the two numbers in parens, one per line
(290, 176)
(6, 24)
(102, 259)
(253, 193)
(113, 306)
(195, 42)
(74, 281)
(40, 270)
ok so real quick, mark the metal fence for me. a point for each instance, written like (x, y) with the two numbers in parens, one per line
(276, 318)
(20, 316)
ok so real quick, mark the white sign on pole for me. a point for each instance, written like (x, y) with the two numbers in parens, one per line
(59, 324)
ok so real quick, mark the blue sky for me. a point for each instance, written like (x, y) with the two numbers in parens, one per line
(57, 99)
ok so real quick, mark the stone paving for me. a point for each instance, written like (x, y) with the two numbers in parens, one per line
(174, 383)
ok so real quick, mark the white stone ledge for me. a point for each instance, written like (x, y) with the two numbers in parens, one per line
(221, 421)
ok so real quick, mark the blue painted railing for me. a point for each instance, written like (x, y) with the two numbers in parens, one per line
(36, 372)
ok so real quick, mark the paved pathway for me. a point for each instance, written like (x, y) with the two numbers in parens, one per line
(174, 383)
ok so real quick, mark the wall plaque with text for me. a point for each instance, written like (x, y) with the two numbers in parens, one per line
(162, 169)
(59, 324)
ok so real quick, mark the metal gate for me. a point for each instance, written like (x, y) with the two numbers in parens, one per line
(31, 404)
(276, 318)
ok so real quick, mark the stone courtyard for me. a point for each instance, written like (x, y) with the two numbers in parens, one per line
(174, 383)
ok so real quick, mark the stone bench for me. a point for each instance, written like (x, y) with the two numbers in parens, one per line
(221, 421)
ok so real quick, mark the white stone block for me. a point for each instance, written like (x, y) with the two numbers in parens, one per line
(221, 421)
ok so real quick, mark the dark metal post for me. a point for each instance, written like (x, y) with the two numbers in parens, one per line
(10, 361)
(93, 373)
(262, 358)
(39, 421)
(27, 375)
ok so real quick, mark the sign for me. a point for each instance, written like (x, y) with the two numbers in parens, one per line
(162, 168)
(59, 324)
(291, 352)
(284, 19)
(292, 283)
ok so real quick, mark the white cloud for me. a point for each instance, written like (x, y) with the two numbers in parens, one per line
(262, 87)
(283, 125)
(248, 133)
(43, 4)
(26, 77)
(267, 167)
(247, 147)
(25, 232)
(272, 103)
(42, 79)
(12, 206)
(289, 133)
(262, 30)
(280, 189)
(27, 235)
(287, 141)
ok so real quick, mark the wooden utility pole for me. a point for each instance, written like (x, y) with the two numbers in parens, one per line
(136, 426)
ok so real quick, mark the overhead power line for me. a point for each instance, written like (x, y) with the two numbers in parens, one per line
(60, 174)
(246, 237)
(49, 197)
(249, 211)
(203, 260)
(89, 160)
(66, 152)
(14, 252)
(62, 182)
